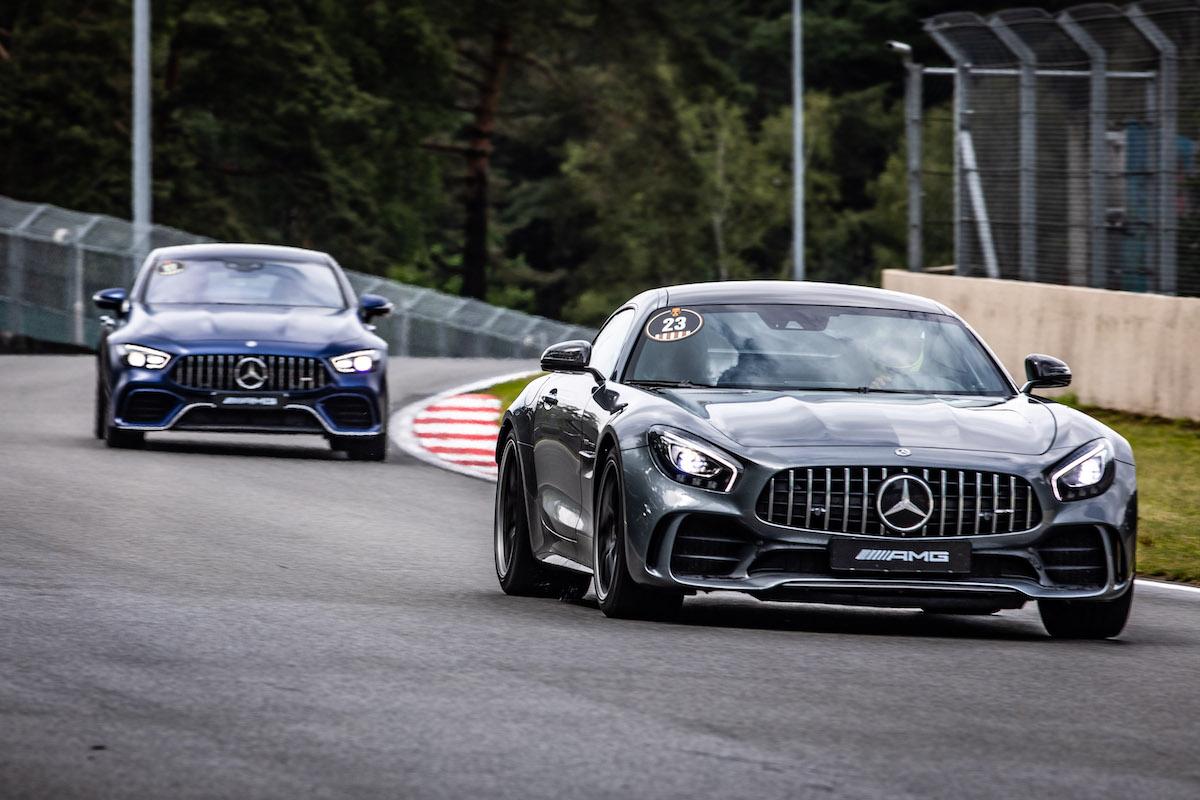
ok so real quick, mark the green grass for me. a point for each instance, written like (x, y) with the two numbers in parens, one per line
(1167, 453)
(1168, 463)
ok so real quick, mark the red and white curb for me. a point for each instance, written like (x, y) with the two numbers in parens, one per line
(456, 429)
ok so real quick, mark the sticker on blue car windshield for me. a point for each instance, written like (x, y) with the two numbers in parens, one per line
(673, 324)
(170, 268)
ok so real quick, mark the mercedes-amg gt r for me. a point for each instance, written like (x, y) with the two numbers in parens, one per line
(813, 443)
(242, 338)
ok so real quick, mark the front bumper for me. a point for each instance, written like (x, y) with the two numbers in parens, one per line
(153, 400)
(664, 518)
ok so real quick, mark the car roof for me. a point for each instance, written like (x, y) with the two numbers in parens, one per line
(236, 250)
(800, 292)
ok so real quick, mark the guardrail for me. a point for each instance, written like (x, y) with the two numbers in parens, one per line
(52, 259)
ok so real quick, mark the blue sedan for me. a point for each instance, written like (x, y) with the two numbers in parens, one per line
(244, 339)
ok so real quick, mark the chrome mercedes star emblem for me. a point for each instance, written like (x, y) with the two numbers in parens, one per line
(903, 451)
(904, 503)
(251, 343)
(251, 373)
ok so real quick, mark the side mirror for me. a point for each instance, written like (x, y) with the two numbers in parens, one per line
(110, 299)
(372, 305)
(1045, 372)
(572, 356)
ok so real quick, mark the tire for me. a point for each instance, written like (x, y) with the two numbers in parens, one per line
(363, 448)
(124, 440)
(519, 573)
(617, 593)
(113, 436)
(101, 407)
(1086, 619)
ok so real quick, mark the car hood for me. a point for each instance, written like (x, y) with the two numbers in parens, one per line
(212, 323)
(786, 419)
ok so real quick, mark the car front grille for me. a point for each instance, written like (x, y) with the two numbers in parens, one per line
(843, 500)
(281, 373)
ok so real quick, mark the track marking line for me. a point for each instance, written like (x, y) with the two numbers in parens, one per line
(1175, 587)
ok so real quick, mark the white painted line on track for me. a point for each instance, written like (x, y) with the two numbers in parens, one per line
(1174, 587)
(453, 428)
(401, 424)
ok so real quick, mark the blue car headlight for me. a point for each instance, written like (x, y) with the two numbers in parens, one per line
(1086, 472)
(356, 361)
(692, 462)
(136, 355)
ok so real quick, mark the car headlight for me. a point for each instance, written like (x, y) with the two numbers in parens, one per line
(356, 361)
(692, 462)
(136, 355)
(1085, 473)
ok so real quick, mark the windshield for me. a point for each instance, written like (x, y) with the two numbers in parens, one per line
(818, 348)
(244, 282)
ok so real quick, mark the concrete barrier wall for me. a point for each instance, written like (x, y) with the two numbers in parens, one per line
(1132, 352)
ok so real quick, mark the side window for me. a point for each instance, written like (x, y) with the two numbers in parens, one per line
(606, 347)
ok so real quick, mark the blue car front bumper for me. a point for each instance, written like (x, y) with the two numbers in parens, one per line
(199, 391)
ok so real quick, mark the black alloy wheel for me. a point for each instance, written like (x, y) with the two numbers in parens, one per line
(1086, 619)
(618, 594)
(518, 571)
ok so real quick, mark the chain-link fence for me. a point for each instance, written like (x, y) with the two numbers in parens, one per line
(52, 260)
(1068, 153)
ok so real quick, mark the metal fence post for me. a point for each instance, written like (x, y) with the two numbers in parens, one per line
(962, 80)
(1027, 146)
(1098, 149)
(912, 123)
(75, 292)
(1167, 106)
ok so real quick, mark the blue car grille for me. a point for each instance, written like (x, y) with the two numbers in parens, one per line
(281, 373)
(842, 500)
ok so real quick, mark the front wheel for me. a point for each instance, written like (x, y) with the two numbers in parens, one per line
(101, 409)
(616, 591)
(518, 571)
(363, 448)
(1086, 619)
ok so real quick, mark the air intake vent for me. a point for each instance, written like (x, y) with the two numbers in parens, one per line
(259, 373)
(1074, 556)
(349, 412)
(842, 500)
(144, 407)
(708, 546)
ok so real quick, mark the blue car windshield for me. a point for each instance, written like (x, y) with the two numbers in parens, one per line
(243, 282)
(815, 348)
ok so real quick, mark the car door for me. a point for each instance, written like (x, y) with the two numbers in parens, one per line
(594, 414)
(565, 439)
(555, 454)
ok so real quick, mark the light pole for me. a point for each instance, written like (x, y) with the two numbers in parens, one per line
(141, 118)
(797, 142)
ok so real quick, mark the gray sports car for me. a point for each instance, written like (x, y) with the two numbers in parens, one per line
(814, 443)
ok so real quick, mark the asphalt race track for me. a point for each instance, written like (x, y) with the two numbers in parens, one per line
(252, 617)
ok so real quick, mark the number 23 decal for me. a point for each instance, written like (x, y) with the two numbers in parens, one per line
(673, 324)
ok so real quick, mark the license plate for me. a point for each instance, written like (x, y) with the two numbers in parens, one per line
(873, 555)
(245, 401)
